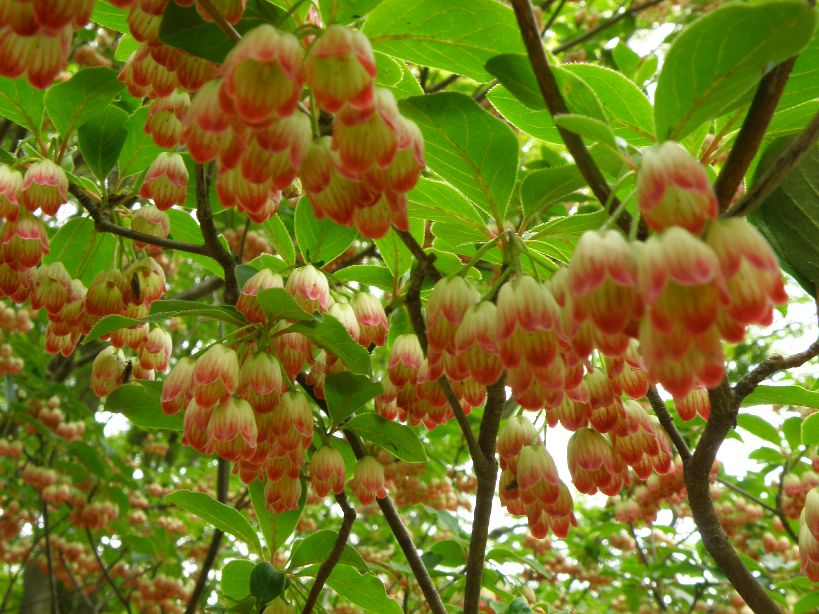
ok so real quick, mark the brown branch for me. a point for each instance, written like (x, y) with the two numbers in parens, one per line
(786, 523)
(604, 26)
(750, 135)
(335, 554)
(222, 482)
(667, 422)
(220, 20)
(105, 573)
(214, 247)
(778, 171)
(102, 224)
(443, 84)
(557, 106)
(769, 366)
(368, 251)
(487, 474)
(203, 288)
(399, 530)
(52, 579)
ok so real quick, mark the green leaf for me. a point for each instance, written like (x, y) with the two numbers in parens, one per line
(185, 228)
(264, 516)
(782, 395)
(90, 457)
(347, 392)
(125, 47)
(452, 552)
(626, 59)
(364, 590)
(183, 28)
(766, 455)
(280, 238)
(472, 150)
(236, 579)
(807, 603)
(139, 149)
(588, 128)
(223, 517)
(164, 310)
(109, 16)
(789, 217)
(369, 275)
(328, 333)
(318, 546)
(546, 186)
(140, 403)
(648, 68)
(810, 430)
(759, 427)
(440, 202)
(458, 36)
(558, 237)
(792, 430)
(72, 103)
(393, 251)
(396, 76)
(534, 122)
(101, 139)
(266, 582)
(320, 241)
(268, 261)
(83, 251)
(333, 11)
(397, 439)
(719, 58)
(279, 304)
(22, 103)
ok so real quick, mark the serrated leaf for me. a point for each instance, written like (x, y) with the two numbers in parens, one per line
(458, 36)
(759, 427)
(782, 395)
(236, 579)
(396, 76)
(558, 237)
(328, 333)
(279, 304)
(109, 16)
(546, 186)
(397, 439)
(347, 392)
(22, 103)
(101, 139)
(71, 103)
(223, 517)
(318, 546)
(791, 213)
(320, 241)
(280, 238)
(810, 430)
(588, 128)
(719, 58)
(440, 202)
(140, 403)
(469, 148)
(83, 251)
(364, 590)
(368, 275)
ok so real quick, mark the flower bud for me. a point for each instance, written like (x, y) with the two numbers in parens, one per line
(516, 434)
(248, 304)
(260, 381)
(106, 294)
(673, 189)
(232, 429)
(309, 287)
(282, 495)
(216, 375)
(327, 471)
(369, 138)
(107, 371)
(368, 483)
(448, 302)
(150, 221)
(340, 69)
(155, 351)
(24, 242)
(11, 192)
(177, 389)
(695, 402)
(372, 319)
(406, 358)
(52, 285)
(166, 182)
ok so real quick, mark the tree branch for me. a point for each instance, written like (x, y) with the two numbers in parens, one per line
(105, 573)
(667, 422)
(222, 482)
(557, 106)
(101, 224)
(214, 248)
(768, 367)
(52, 580)
(335, 554)
(750, 135)
(397, 527)
(778, 171)
(203, 288)
(786, 523)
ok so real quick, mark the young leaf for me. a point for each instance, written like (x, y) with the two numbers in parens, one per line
(588, 128)
(397, 439)
(721, 57)
(263, 515)
(72, 103)
(223, 517)
(101, 139)
(782, 395)
(347, 392)
(458, 36)
(266, 582)
(317, 547)
(280, 238)
(139, 402)
(236, 579)
(810, 430)
(364, 590)
(546, 186)
(759, 427)
(465, 145)
(320, 241)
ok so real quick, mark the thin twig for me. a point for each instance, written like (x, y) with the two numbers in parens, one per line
(214, 247)
(641, 554)
(786, 523)
(604, 26)
(101, 224)
(399, 530)
(769, 366)
(222, 482)
(52, 580)
(443, 84)
(220, 20)
(557, 106)
(335, 554)
(778, 171)
(203, 288)
(667, 422)
(104, 570)
(750, 135)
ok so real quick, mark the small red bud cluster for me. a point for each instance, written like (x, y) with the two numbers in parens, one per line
(35, 37)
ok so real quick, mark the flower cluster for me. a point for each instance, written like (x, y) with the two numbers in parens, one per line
(809, 535)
